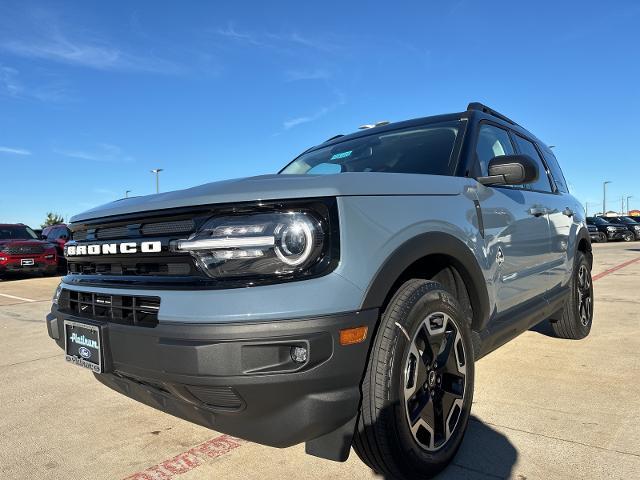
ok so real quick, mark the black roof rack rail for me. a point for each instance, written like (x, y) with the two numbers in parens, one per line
(483, 108)
(333, 138)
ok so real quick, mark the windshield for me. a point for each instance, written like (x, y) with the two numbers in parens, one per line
(17, 232)
(627, 220)
(425, 149)
(596, 221)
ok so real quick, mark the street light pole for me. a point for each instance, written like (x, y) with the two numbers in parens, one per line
(604, 197)
(628, 197)
(126, 193)
(157, 172)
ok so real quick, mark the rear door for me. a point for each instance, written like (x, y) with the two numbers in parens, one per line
(565, 219)
(516, 227)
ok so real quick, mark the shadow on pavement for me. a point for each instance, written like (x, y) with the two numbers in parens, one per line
(484, 453)
(544, 328)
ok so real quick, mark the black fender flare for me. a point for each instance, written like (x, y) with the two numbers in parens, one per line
(433, 243)
(583, 234)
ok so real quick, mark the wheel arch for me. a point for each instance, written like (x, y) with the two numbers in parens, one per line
(584, 245)
(427, 256)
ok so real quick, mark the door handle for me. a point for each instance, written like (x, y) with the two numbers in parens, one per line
(568, 212)
(537, 211)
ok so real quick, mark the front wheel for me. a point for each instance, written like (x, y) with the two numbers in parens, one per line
(627, 237)
(418, 387)
(603, 238)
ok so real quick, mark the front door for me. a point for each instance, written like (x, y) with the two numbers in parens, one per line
(516, 227)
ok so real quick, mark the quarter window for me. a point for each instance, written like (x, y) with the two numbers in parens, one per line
(556, 171)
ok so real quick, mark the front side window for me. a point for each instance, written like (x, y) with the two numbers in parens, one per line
(492, 142)
(426, 149)
(542, 184)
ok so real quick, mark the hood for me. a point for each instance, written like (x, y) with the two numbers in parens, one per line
(10, 242)
(282, 187)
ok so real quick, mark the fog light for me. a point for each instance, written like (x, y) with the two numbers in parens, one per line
(299, 354)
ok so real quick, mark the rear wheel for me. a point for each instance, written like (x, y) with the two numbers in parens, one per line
(418, 387)
(577, 314)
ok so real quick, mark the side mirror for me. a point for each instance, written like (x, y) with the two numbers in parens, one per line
(511, 170)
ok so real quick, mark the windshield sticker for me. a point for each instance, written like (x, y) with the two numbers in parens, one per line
(338, 156)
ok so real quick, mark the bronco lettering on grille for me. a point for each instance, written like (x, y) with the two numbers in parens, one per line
(113, 248)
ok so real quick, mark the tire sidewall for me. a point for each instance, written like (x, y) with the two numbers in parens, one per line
(581, 260)
(434, 300)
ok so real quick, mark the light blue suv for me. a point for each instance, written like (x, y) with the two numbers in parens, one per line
(340, 302)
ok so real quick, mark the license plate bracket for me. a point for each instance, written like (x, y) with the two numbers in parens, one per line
(27, 262)
(83, 345)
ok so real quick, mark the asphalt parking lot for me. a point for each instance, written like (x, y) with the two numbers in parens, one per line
(543, 408)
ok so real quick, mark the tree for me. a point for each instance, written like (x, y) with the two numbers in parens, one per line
(52, 219)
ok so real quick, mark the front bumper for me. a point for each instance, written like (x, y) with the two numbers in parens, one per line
(617, 235)
(240, 378)
(14, 264)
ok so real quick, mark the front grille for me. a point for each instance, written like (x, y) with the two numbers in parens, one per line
(136, 230)
(165, 228)
(113, 232)
(164, 268)
(123, 309)
(24, 249)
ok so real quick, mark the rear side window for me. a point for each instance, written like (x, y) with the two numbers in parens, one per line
(556, 171)
(527, 148)
(426, 149)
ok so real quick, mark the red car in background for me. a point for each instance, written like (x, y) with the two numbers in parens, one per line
(58, 235)
(22, 251)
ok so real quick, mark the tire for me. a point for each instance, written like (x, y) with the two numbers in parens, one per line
(627, 237)
(421, 313)
(603, 238)
(577, 315)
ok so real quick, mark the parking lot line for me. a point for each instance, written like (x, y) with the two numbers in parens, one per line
(188, 460)
(17, 298)
(614, 269)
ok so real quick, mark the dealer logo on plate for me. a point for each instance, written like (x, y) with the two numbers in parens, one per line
(84, 352)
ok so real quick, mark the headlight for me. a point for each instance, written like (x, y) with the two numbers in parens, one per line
(611, 229)
(273, 244)
(56, 294)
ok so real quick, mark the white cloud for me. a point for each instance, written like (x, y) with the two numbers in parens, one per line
(275, 41)
(294, 122)
(14, 151)
(44, 37)
(103, 152)
(11, 85)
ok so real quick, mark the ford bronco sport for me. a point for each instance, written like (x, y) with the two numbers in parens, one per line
(342, 302)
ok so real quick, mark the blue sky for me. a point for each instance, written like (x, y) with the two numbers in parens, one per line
(95, 94)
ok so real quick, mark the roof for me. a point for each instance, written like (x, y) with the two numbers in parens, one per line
(474, 110)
